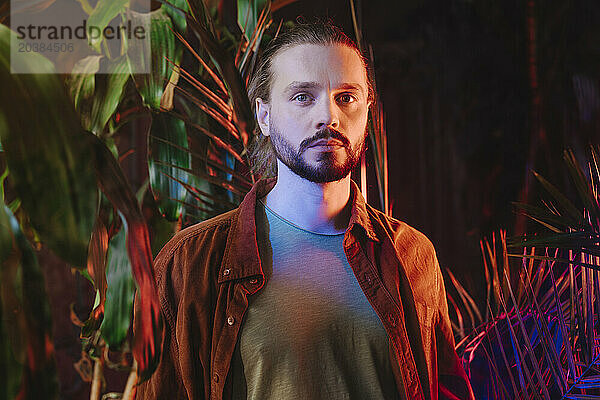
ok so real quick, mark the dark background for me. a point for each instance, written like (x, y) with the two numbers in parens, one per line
(476, 93)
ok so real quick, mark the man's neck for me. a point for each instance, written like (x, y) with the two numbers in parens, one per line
(317, 207)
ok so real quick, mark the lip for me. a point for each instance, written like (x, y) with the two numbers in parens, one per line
(327, 143)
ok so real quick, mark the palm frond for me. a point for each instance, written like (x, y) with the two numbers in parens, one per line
(213, 104)
(467, 301)
(547, 327)
(376, 126)
(213, 136)
(242, 116)
(209, 161)
(248, 59)
(204, 64)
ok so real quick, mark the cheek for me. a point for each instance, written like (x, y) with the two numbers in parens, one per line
(289, 119)
(357, 119)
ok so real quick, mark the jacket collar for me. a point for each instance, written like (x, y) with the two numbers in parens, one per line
(241, 258)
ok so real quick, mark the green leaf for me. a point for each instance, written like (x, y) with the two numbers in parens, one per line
(259, 25)
(81, 82)
(565, 206)
(148, 323)
(543, 216)
(119, 293)
(248, 12)
(12, 324)
(161, 54)
(97, 258)
(563, 240)
(97, 96)
(167, 144)
(104, 12)
(6, 237)
(11, 369)
(589, 200)
(557, 259)
(27, 363)
(243, 117)
(177, 16)
(50, 164)
(200, 13)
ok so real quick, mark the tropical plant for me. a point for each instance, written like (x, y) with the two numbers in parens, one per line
(62, 177)
(66, 191)
(376, 124)
(198, 144)
(540, 335)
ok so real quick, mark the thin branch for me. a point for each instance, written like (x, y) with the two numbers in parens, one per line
(218, 141)
(96, 381)
(228, 125)
(214, 76)
(129, 392)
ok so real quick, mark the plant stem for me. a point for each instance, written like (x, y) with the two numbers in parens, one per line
(85, 5)
(129, 392)
(96, 381)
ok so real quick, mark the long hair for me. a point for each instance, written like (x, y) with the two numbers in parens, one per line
(260, 149)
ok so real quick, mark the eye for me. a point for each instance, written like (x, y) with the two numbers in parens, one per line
(346, 98)
(302, 98)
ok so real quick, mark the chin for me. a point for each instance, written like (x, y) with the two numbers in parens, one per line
(323, 172)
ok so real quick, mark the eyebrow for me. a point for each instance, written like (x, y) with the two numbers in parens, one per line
(297, 85)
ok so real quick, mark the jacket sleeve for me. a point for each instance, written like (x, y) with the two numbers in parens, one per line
(166, 381)
(453, 383)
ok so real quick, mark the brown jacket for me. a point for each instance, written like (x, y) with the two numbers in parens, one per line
(208, 273)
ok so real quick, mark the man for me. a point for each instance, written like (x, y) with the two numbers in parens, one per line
(305, 291)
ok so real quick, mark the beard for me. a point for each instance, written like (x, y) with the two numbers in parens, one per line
(327, 168)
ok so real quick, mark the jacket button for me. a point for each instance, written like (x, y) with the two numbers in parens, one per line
(253, 281)
(368, 278)
(230, 320)
(216, 378)
(226, 271)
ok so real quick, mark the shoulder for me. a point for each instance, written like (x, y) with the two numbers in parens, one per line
(415, 253)
(193, 250)
(192, 236)
(186, 263)
(405, 238)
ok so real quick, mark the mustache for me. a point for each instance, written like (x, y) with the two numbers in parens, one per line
(324, 133)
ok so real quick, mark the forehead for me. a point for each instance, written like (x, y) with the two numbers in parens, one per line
(331, 65)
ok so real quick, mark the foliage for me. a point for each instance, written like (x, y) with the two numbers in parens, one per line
(541, 331)
(57, 170)
(27, 365)
(51, 165)
(376, 123)
(200, 169)
(69, 193)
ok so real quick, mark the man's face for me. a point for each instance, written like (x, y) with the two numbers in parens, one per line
(318, 110)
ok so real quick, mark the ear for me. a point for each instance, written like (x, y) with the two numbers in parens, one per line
(263, 111)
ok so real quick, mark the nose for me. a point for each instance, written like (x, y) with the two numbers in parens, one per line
(327, 114)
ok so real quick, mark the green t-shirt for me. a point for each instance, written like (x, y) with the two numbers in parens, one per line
(310, 333)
